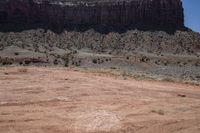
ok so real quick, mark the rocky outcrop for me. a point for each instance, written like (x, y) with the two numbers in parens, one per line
(112, 13)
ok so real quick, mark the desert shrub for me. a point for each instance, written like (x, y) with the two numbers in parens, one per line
(181, 95)
(198, 76)
(58, 56)
(6, 63)
(66, 57)
(21, 63)
(166, 63)
(168, 79)
(27, 62)
(66, 64)
(113, 68)
(126, 73)
(94, 61)
(160, 112)
(197, 64)
(157, 62)
(144, 59)
(22, 70)
(77, 64)
(75, 52)
(55, 62)
(16, 53)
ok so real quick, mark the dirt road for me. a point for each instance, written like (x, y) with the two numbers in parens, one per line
(59, 100)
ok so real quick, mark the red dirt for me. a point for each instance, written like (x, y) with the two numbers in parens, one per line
(49, 100)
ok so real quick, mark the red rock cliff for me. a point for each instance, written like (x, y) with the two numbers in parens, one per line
(157, 13)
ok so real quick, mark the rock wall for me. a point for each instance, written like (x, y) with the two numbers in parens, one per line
(114, 13)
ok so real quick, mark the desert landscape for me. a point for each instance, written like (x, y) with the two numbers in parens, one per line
(66, 100)
(98, 66)
(137, 38)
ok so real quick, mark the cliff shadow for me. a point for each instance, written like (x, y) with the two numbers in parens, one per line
(19, 27)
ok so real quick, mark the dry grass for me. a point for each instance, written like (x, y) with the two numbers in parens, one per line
(126, 74)
(160, 112)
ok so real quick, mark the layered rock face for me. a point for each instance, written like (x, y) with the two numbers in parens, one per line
(114, 13)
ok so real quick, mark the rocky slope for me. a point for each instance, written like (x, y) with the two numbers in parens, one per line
(155, 54)
(86, 40)
(120, 13)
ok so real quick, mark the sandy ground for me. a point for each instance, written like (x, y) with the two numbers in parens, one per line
(59, 100)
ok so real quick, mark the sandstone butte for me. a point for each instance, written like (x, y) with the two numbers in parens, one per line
(112, 13)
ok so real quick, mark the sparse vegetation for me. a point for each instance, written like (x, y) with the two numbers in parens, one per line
(144, 59)
(20, 63)
(27, 62)
(113, 68)
(55, 62)
(160, 112)
(181, 95)
(22, 70)
(135, 99)
(6, 63)
(16, 53)
(66, 64)
(125, 50)
(94, 61)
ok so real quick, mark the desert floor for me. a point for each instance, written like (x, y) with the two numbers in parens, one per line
(61, 100)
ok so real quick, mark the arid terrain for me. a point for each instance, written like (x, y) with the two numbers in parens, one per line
(66, 100)
(98, 66)
(152, 54)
